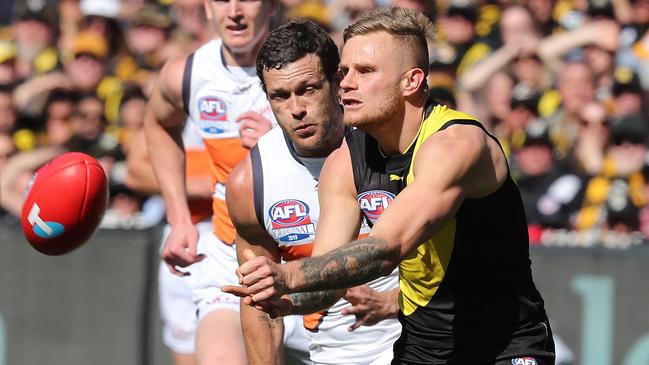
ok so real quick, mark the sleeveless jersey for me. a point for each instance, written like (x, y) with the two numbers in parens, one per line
(467, 294)
(286, 203)
(213, 98)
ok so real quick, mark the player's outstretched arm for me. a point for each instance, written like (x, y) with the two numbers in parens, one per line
(339, 222)
(163, 121)
(455, 163)
(263, 335)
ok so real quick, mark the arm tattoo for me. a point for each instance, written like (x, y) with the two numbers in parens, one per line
(353, 264)
(311, 302)
(272, 322)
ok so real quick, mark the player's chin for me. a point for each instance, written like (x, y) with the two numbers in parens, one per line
(352, 121)
(306, 143)
(238, 43)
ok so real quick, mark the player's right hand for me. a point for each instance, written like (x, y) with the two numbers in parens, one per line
(180, 249)
(261, 281)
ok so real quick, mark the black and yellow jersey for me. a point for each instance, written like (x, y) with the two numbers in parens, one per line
(467, 294)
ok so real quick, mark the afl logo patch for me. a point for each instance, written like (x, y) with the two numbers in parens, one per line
(290, 221)
(288, 212)
(212, 108)
(375, 202)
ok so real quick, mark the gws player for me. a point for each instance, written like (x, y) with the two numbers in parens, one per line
(273, 201)
(218, 89)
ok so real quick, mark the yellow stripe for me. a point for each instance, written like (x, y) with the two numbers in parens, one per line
(423, 271)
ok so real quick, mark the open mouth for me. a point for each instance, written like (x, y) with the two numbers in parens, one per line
(236, 27)
(350, 102)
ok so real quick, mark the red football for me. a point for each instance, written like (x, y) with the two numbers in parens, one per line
(66, 201)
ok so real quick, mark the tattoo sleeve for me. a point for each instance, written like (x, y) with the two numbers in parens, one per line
(353, 264)
(311, 302)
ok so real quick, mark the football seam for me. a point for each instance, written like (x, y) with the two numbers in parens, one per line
(84, 202)
(42, 182)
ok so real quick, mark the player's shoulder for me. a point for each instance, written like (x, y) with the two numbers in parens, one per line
(240, 178)
(337, 169)
(170, 80)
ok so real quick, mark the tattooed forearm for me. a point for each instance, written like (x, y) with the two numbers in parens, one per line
(272, 322)
(353, 264)
(310, 302)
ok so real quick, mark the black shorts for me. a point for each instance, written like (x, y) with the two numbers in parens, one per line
(531, 345)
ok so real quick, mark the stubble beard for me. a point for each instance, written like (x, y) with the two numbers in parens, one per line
(369, 116)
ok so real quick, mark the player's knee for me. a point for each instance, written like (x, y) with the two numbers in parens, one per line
(219, 339)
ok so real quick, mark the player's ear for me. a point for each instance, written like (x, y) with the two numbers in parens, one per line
(414, 80)
(208, 10)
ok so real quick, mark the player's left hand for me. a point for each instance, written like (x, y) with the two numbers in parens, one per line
(252, 126)
(262, 281)
(370, 306)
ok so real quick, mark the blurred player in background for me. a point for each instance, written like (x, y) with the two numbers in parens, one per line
(273, 201)
(177, 308)
(217, 87)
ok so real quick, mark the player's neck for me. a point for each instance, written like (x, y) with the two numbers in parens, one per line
(395, 136)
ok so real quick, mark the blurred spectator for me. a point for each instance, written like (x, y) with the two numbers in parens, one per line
(628, 95)
(34, 30)
(148, 42)
(456, 36)
(519, 38)
(492, 103)
(87, 65)
(7, 149)
(131, 114)
(518, 35)
(85, 71)
(614, 196)
(343, 12)
(542, 11)
(550, 195)
(7, 62)
(592, 138)
(88, 125)
(523, 110)
(577, 88)
(7, 112)
(100, 17)
(55, 128)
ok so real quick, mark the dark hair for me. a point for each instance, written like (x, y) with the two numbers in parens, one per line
(294, 40)
(131, 92)
(59, 95)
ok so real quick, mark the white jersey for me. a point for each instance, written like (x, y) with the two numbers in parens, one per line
(214, 95)
(286, 203)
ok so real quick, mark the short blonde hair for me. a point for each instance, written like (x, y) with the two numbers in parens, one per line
(410, 27)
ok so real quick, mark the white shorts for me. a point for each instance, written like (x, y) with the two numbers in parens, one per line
(218, 269)
(177, 309)
(208, 276)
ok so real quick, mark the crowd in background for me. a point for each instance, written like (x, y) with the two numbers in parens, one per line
(563, 85)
